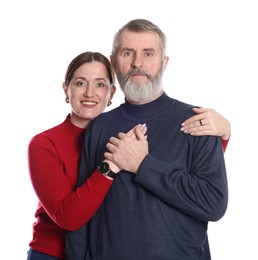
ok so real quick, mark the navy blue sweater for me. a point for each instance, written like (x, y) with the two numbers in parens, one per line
(162, 212)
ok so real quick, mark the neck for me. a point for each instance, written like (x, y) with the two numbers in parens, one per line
(78, 121)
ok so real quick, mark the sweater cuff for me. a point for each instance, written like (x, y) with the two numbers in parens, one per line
(98, 177)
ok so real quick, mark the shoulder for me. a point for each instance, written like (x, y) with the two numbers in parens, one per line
(105, 116)
(183, 105)
(182, 109)
(53, 132)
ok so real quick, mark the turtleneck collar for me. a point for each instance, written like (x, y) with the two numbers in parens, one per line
(153, 108)
(71, 126)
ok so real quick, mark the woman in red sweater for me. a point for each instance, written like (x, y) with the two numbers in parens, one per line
(54, 158)
(55, 153)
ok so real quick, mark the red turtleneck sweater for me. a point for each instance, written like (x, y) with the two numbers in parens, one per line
(54, 165)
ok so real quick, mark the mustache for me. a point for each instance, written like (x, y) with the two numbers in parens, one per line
(137, 71)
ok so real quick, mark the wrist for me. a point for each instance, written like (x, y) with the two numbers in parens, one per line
(225, 137)
(108, 169)
(113, 167)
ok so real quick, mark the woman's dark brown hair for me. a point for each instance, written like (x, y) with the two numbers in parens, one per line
(86, 57)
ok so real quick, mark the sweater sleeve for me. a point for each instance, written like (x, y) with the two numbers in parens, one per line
(200, 191)
(68, 207)
(224, 143)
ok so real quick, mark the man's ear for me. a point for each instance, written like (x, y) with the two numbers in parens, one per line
(112, 59)
(165, 63)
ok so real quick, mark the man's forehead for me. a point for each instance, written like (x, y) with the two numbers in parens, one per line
(139, 40)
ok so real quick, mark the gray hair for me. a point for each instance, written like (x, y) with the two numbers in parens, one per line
(140, 25)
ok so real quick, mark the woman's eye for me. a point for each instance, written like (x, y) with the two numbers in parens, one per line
(100, 84)
(81, 84)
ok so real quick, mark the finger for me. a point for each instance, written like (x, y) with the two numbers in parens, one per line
(199, 129)
(131, 131)
(108, 156)
(143, 128)
(123, 135)
(193, 126)
(201, 114)
(200, 110)
(201, 133)
(192, 119)
(114, 140)
(204, 113)
(110, 147)
(139, 134)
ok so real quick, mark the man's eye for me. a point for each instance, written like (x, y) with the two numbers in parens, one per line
(148, 54)
(128, 54)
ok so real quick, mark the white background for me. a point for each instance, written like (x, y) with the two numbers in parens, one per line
(213, 49)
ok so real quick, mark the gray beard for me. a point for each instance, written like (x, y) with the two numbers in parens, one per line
(136, 92)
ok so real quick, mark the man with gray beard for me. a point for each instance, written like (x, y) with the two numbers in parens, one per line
(170, 184)
(137, 92)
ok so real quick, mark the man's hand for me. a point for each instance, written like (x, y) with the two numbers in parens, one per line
(128, 150)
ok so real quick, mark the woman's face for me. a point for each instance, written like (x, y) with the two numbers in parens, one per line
(89, 92)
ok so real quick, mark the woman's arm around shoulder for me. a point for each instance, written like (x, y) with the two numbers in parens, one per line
(208, 121)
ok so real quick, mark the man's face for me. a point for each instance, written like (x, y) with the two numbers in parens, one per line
(139, 66)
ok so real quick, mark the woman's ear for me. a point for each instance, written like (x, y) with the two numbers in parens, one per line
(65, 88)
(113, 91)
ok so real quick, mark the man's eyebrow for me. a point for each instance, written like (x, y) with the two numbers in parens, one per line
(145, 49)
(149, 49)
(127, 49)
